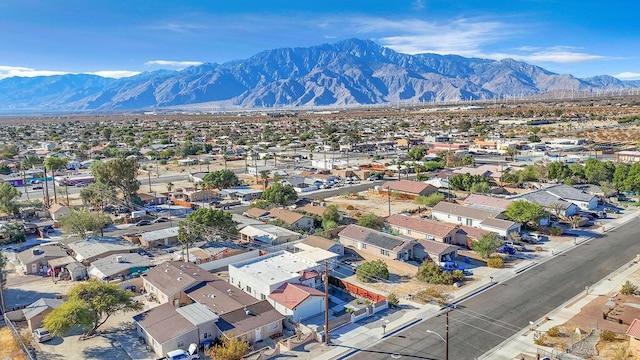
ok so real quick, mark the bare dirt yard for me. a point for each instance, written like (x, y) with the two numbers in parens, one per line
(357, 204)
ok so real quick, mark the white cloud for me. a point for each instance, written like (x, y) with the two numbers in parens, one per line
(115, 74)
(418, 5)
(177, 27)
(628, 76)
(11, 71)
(177, 64)
(21, 71)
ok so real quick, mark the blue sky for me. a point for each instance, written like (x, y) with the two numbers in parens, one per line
(118, 38)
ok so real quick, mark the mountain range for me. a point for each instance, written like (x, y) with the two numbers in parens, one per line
(347, 73)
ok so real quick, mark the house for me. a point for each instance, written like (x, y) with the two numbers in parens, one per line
(252, 323)
(564, 198)
(243, 221)
(418, 228)
(166, 327)
(162, 237)
(491, 203)
(408, 188)
(245, 194)
(149, 199)
(292, 219)
(166, 281)
(89, 250)
(301, 183)
(323, 243)
(261, 276)
(36, 260)
(298, 302)
(377, 243)
(633, 331)
(463, 215)
(256, 213)
(35, 312)
(437, 252)
(120, 266)
(218, 295)
(268, 234)
(57, 211)
(474, 217)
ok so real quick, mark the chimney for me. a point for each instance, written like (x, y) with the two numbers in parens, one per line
(119, 258)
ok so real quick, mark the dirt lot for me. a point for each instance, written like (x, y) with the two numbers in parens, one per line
(370, 202)
(9, 347)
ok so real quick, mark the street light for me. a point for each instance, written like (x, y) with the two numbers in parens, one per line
(446, 343)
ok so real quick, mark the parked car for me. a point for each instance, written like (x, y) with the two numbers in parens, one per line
(37, 187)
(41, 335)
(180, 354)
(505, 249)
(516, 245)
(160, 220)
(82, 184)
(143, 223)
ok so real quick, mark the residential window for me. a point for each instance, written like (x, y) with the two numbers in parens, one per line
(384, 252)
(181, 343)
(262, 297)
(409, 232)
(249, 289)
(469, 222)
(207, 335)
(447, 240)
(459, 218)
(364, 246)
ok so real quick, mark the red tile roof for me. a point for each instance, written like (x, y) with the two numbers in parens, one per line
(292, 295)
(634, 329)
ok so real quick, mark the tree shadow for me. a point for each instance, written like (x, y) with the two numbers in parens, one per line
(16, 298)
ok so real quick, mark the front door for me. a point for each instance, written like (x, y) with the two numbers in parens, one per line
(258, 335)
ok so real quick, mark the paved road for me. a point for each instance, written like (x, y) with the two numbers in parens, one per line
(484, 321)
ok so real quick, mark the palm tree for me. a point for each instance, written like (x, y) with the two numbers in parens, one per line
(264, 175)
(169, 186)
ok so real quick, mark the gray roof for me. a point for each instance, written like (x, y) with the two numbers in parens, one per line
(39, 306)
(92, 247)
(163, 323)
(497, 223)
(197, 314)
(569, 193)
(41, 252)
(545, 199)
(466, 211)
(156, 235)
(373, 237)
(110, 265)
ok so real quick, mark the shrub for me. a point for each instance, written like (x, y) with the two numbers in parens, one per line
(554, 332)
(350, 207)
(432, 273)
(607, 335)
(629, 288)
(539, 340)
(393, 299)
(555, 231)
(538, 248)
(495, 262)
(371, 271)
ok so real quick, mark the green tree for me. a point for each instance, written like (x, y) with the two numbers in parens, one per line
(120, 174)
(213, 219)
(280, 194)
(432, 273)
(97, 195)
(230, 349)
(8, 194)
(89, 305)
(371, 271)
(331, 213)
(32, 161)
(480, 188)
(417, 152)
(264, 175)
(188, 234)
(106, 132)
(12, 233)
(464, 182)
(534, 138)
(429, 200)
(597, 171)
(486, 245)
(3, 277)
(371, 221)
(464, 125)
(83, 222)
(221, 179)
(558, 171)
(524, 212)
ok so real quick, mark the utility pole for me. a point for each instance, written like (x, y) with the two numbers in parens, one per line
(446, 337)
(46, 187)
(326, 302)
(149, 176)
(389, 198)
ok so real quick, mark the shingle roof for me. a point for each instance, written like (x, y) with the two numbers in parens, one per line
(41, 252)
(319, 242)
(172, 277)
(429, 227)
(311, 209)
(220, 296)
(634, 329)
(164, 323)
(474, 233)
(256, 212)
(487, 202)
(497, 223)
(569, 193)
(466, 211)
(239, 322)
(285, 215)
(375, 238)
(435, 247)
(407, 186)
(292, 295)
(39, 306)
(109, 266)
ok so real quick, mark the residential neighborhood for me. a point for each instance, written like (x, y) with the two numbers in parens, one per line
(213, 232)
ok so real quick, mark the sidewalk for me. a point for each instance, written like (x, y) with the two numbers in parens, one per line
(362, 337)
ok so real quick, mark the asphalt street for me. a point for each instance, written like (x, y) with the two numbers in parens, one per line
(480, 323)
